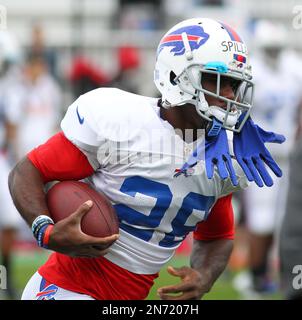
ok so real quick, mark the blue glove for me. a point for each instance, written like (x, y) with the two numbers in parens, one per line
(251, 153)
(217, 153)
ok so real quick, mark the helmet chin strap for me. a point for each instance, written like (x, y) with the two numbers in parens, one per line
(213, 128)
(221, 115)
(214, 112)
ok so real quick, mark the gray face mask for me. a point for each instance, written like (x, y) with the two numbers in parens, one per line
(243, 93)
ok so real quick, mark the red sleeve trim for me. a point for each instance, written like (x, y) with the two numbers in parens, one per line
(220, 223)
(59, 159)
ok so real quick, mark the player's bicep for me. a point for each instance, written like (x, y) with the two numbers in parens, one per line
(220, 223)
(59, 159)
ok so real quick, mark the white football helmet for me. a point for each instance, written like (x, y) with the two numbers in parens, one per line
(195, 47)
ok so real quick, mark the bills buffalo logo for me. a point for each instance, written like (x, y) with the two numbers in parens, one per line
(196, 37)
(47, 291)
(185, 172)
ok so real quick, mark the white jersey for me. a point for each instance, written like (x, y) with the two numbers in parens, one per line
(39, 114)
(10, 100)
(155, 209)
(9, 216)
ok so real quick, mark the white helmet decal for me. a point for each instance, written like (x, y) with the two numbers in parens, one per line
(174, 40)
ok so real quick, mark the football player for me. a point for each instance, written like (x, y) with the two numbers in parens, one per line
(127, 147)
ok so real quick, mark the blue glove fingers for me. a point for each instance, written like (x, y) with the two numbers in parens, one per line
(271, 137)
(278, 138)
(215, 153)
(222, 171)
(230, 168)
(210, 169)
(245, 169)
(268, 181)
(254, 172)
(272, 164)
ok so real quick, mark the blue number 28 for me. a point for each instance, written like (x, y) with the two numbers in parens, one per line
(144, 225)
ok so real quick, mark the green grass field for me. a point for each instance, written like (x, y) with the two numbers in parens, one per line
(25, 264)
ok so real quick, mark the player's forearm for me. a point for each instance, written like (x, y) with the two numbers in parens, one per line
(210, 258)
(27, 190)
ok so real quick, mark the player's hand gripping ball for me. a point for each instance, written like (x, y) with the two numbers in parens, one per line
(65, 197)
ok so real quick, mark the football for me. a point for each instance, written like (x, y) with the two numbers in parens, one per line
(65, 197)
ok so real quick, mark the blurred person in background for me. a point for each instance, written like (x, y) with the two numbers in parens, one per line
(40, 104)
(85, 75)
(39, 47)
(290, 234)
(126, 77)
(29, 112)
(275, 105)
(10, 74)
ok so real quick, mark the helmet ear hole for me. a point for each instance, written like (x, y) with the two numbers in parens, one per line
(172, 78)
